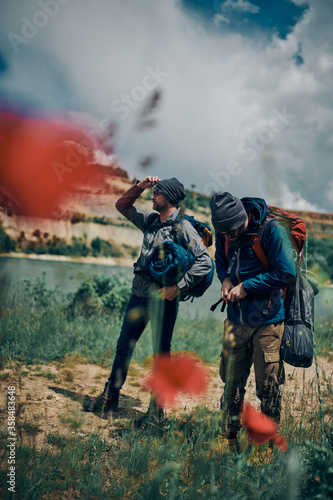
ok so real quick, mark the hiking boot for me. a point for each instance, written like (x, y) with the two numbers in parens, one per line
(102, 403)
(233, 441)
(233, 446)
(153, 418)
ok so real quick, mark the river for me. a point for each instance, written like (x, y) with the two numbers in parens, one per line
(67, 275)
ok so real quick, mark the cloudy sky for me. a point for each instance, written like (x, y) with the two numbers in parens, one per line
(230, 95)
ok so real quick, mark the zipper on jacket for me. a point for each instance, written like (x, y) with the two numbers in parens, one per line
(239, 281)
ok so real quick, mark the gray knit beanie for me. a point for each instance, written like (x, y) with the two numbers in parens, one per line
(228, 212)
(172, 189)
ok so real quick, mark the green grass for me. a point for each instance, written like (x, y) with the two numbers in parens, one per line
(183, 459)
(186, 457)
(41, 325)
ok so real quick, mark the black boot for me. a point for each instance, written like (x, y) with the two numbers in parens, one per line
(154, 416)
(233, 441)
(104, 402)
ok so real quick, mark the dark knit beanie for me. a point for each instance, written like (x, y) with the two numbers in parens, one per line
(172, 189)
(228, 212)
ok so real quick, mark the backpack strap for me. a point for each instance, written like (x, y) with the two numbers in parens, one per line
(175, 228)
(153, 222)
(256, 245)
(255, 242)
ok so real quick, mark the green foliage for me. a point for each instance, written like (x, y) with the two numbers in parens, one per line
(37, 296)
(320, 256)
(105, 248)
(186, 458)
(319, 469)
(58, 246)
(133, 250)
(101, 295)
(39, 324)
(100, 220)
(194, 201)
(78, 248)
(52, 472)
(46, 324)
(6, 243)
(191, 335)
(324, 336)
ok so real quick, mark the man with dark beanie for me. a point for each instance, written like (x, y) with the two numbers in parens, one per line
(149, 301)
(255, 309)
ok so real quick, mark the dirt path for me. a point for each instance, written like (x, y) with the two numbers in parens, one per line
(49, 397)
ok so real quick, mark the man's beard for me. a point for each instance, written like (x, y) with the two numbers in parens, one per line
(159, 207)
(241, 232)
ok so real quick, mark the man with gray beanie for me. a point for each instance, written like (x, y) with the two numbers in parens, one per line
(150, 302)
(254, 297)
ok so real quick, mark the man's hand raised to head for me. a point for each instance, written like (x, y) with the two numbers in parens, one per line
(148, 182)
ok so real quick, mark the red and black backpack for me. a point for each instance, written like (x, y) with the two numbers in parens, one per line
(297, 340)
(295, 227)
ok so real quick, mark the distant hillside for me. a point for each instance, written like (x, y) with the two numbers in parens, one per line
(319, 225)
(88, 225)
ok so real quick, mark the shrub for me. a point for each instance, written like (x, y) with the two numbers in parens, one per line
(320, 256)
(6, 243)
(105, 248)
(78, 248)
(101, 294)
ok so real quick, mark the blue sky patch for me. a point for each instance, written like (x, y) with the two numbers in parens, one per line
(248, 17)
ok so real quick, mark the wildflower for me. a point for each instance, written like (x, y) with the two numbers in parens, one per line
(43, 159)
(260, 428)
(175, 374)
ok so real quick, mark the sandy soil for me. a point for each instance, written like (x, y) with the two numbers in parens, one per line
(49, 397)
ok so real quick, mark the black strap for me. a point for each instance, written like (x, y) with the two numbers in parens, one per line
(232, 261)
(143, 275)
(214, 306)
(265, 224)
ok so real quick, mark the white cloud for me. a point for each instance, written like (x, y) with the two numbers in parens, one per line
(240, 6)
(231, 7)
(221, 91)
(103, 159)
(221, 18)
(294, 201)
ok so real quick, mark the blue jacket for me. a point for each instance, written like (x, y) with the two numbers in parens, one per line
(264, 302)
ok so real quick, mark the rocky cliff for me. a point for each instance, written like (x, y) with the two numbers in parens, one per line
(88, 218)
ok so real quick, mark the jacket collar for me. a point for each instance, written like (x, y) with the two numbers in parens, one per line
(171, 218)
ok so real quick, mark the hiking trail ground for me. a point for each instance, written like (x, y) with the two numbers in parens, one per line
(49, 397)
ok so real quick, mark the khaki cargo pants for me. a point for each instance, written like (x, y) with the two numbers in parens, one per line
(242, 346)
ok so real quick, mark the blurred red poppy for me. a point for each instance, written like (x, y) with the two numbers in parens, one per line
(173, 375)
(260, 428)
(41, 160)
